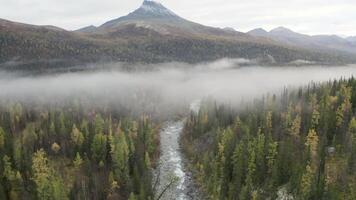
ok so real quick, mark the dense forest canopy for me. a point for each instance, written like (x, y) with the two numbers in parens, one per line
(75, 152)
(96, 135)
(299, 145)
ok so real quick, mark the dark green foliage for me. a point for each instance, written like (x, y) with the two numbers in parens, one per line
(72, 151)
(301, 144)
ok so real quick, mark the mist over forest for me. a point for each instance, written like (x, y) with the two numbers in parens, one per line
(142, 103)
(165, 87)
(131, 128)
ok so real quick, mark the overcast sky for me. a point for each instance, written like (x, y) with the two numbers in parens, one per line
(306, 16)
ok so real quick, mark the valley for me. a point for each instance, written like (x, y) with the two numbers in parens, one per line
(186, 100)
(153, 110)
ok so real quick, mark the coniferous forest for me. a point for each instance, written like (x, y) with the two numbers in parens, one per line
(74, 152)
(178, 100)
(300, 144)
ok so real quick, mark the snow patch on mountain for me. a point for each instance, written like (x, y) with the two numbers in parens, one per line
(156, 8)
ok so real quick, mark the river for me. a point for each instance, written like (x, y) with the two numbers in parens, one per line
(172, 166)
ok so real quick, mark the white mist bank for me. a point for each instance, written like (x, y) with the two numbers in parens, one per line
(168, 85)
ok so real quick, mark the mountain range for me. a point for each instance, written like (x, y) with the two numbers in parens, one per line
(316, 42)
(351, 39)
(151, 34)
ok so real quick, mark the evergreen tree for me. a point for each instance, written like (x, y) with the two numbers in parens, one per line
(98, 148)
(48, 185)
(120, 156)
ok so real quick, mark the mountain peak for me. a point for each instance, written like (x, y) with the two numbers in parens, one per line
(149, 10)
(152, 8)
(258, 32)
(281, 29)
(259, 29)
(145, 1)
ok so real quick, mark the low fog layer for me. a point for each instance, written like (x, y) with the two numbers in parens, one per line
(168, 86)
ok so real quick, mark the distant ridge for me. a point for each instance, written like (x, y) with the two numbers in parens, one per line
(351, 39)
(258, 32)
(88, 29)
(316, 42)
(152, 34)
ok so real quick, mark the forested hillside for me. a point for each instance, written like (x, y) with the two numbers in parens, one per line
(299, 145)
(74, 152)
(30, 47)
